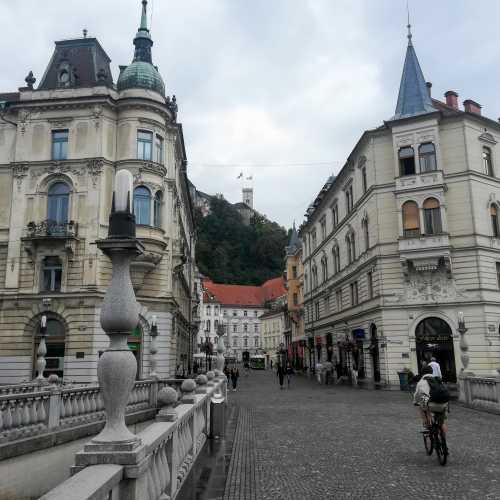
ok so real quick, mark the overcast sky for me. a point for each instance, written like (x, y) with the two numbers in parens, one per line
(278, 89)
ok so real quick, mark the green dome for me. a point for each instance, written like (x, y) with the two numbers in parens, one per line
(141, 75)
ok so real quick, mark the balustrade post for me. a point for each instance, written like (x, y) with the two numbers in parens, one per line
(153, 349)
(167, 398)
(42, 350)
(210, 377)
(55, 402)
(464, 356)
(188, 388)
(153, 393)
(201, 382)
(174, 469)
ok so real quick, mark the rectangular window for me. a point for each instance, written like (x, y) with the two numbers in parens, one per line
(335, 215)
(256, 328)
(235, 341)
(338, 299)
(313, 236)
(363, 178)
(369, 284)
(349, 199)
(323, 229)
(216, 324)
(216, 310)
(245, 342)
(256, 313)
(316, 310)
(208, 325)
(354, 293)
(159, 149)
(60, 144)
(245, 327)
(432, 219)
(51, 274)
(244, 313)
(498, 274)
(326, 305)
(144, 145)
(294, 272)
(295, 299)
(235, 328)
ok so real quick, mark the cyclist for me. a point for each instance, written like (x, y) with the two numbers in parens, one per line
(421, 398)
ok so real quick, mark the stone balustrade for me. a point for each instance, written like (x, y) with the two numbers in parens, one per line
(53, 414)
(157, 468)
(481, 393)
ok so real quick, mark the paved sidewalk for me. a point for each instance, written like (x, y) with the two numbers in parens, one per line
(332, 442)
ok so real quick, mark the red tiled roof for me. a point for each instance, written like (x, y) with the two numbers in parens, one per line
(244, 295)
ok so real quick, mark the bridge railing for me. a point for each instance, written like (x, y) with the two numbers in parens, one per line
(54, 408)
(158, 466)
(482, 393)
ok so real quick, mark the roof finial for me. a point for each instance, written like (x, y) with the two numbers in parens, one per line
(408, 25)
(144, 16)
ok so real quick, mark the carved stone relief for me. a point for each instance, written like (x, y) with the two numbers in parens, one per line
(20, 172)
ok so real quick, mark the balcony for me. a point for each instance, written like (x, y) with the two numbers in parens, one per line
(413, 242)
(424, 180)
(51, 234)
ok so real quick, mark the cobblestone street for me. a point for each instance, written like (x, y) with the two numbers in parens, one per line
(323, 442)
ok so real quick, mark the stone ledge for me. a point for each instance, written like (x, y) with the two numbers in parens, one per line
(61, 436)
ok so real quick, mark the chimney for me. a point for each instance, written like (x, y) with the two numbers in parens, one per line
(429, 88)
(451, 99)
(472, 107)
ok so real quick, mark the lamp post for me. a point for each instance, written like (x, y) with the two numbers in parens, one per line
(42, 350)
(117, 367)
(220, 346)
(153, 349)
(464, 356)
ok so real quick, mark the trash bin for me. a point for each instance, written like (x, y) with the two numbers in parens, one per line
(217, 416)
(403, 381)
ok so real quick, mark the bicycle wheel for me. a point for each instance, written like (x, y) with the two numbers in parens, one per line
(440, 446)
(428, 443)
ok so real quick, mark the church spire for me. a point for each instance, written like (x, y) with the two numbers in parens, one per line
(413, 98)
(142, 40)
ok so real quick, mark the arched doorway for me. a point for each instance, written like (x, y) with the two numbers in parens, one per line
(135, 345)
(55, 340)
(434, 338)
(375, 353)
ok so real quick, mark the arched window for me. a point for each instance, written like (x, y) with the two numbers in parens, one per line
(406, 161)
(55, 343)
(142, 205)
(366, 233)
(314, 276)
(336, 259)
(324, 268)
(157, 208)
(58, 203)
(487, 162)
(411, 220)
(432, 216)
(427, 155)
(494, 220)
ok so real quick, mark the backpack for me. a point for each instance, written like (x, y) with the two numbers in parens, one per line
(438, 391)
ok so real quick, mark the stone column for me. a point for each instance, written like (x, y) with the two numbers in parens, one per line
(42, 351)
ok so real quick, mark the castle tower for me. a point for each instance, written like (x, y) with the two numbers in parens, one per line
(248, 196)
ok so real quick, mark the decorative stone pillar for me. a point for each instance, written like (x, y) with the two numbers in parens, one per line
(221, 348)
(42, 351)
(201, 382)
(167, 399)
(210, 377)
(188, 388)
(117, 367)
(153, 349)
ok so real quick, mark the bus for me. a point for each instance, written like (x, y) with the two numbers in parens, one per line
(258, 362)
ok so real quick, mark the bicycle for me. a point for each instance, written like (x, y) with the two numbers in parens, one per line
(435, 438)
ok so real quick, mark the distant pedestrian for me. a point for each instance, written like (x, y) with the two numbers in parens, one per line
(289, 373)
(436, 369)
(195, 368)
(271, 364)
(178, 372)
(235, 374)
(280, 372)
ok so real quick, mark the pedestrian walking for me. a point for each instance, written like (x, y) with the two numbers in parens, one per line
(235, 374)
(271, 364)
(280, 372)
(436, 369)
(289, 373)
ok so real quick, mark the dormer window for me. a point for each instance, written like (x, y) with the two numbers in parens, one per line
(427, 156)
(406, 161)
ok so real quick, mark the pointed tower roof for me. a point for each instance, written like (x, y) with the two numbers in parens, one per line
(294, 243)
(413, 98)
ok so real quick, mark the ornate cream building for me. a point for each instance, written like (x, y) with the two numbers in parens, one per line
(60, 146)
(405, 237)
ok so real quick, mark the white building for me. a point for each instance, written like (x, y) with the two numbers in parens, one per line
(60, 147)
(238, 309)
(406, 237)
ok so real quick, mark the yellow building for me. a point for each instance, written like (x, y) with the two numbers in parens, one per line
(295, 297)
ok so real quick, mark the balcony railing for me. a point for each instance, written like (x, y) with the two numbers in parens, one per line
(51, 228)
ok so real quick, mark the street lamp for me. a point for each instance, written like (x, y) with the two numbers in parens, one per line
(153, 348)
(220, 345)
(42, 350)
(117, 367)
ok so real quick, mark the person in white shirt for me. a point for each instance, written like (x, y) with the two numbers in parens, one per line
(436, 369)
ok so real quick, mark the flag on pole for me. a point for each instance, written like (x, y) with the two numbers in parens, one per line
(240, 176)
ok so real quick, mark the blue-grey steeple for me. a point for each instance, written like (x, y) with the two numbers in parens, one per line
(413, 98)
